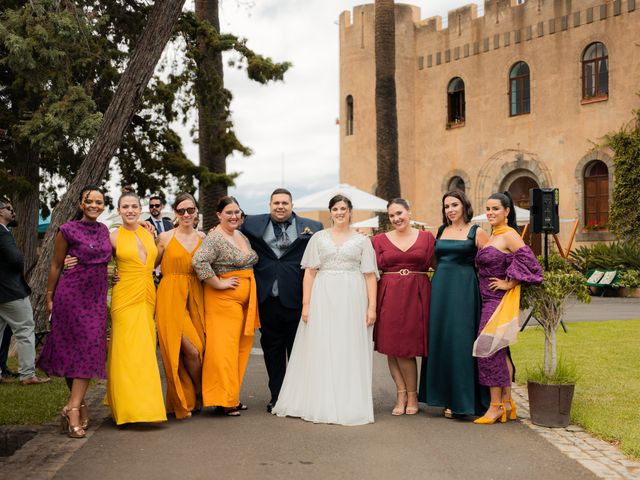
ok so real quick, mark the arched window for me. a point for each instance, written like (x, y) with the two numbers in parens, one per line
(595, 71)
(596, 195)
(455, 102)
(349, 130)
(456, 183)
(519, 89)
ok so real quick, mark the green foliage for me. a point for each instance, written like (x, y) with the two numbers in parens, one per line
(566, 373)
(60, 63)
(548, 301)
(624, 215)
(629, 279)
(621, 255)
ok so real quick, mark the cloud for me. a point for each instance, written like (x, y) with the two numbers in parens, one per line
(292, 120)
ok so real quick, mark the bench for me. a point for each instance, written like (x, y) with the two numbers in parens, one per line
(602, 279)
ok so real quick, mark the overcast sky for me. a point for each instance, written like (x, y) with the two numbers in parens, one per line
(290, 126)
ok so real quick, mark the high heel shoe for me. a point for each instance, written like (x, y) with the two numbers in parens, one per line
(411, 410)
(513, 414)
(84, 423)
(397, 411)
(484, 420)
(74, 431)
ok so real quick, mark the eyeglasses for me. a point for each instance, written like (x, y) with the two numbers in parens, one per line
(8, 208)
(156, 205)
(182, 211)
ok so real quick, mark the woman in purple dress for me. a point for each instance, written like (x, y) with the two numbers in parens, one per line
(503, 263)
(404, 291)
(76, 348)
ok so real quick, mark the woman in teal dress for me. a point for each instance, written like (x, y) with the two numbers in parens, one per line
(449, 376)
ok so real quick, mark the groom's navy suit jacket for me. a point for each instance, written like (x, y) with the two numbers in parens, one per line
(286, 269)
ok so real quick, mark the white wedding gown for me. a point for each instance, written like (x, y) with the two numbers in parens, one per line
(328, 379)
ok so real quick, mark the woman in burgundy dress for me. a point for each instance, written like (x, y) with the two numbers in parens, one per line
(503, 264)
(404, 291)
(76, 348)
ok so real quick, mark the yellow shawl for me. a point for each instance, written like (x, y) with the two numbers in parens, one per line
(502, 328)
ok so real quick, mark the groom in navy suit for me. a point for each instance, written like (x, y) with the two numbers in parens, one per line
(279, 238)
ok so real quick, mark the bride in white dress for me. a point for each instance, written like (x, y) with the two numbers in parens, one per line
(328, 378)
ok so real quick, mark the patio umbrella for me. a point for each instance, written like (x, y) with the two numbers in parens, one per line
(360, 199)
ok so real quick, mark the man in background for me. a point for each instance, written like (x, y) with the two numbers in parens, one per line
(15, 306)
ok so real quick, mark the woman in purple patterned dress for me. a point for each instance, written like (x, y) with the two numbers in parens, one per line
(76, 348)
(503, 263)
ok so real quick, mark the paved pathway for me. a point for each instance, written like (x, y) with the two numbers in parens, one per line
(258, 444)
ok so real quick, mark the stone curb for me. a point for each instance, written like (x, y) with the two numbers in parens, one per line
(41, 457)
(603, 459)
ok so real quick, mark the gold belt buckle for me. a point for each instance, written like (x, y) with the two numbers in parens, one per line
(404, 271)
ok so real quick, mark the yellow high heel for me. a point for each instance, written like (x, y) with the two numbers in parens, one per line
(513, 414)
(488, 421)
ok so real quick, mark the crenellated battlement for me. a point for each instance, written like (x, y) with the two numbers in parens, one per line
(504, 23)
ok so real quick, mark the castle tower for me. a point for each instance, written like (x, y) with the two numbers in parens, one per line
(520, 97)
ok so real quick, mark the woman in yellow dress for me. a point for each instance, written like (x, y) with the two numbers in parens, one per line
(134, 392)
(224, 263)
(180, 310)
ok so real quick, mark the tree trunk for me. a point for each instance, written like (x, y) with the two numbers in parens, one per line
(388, 177)
(124, 104)
(211, 114)
(27, 206)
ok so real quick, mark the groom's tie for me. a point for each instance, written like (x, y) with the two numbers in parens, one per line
(280, 230)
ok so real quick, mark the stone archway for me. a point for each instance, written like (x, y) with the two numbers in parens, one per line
(504, 167)
(518, 184)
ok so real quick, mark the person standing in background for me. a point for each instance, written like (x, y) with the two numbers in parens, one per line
(160, 223)
(15, 306)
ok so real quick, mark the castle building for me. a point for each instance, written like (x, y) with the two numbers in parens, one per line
(518, 98)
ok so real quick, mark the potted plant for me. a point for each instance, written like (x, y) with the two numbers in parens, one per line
(551, 385)
(629, 283)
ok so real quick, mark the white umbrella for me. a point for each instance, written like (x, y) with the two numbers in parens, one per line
(360, 199)
(373, 223)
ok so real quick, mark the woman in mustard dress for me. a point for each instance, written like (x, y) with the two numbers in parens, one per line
(180, 311)
(134, 392)
(224, 263)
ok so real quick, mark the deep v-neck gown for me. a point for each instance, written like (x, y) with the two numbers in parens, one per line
(328, 379)
(179, 313)
(134, 392)
(403, 300)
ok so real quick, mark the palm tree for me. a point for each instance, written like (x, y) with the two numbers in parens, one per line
(388, 177)
(211, 114)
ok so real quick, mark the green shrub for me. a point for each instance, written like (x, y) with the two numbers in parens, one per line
(623, 255)
(629, 279)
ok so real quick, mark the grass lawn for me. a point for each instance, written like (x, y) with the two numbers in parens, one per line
(33, 404)
(607, 396)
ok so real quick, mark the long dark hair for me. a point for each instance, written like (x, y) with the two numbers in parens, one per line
(224, 201)
(340, 198)
(84, 193)
(507, 202)
(467, 210)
